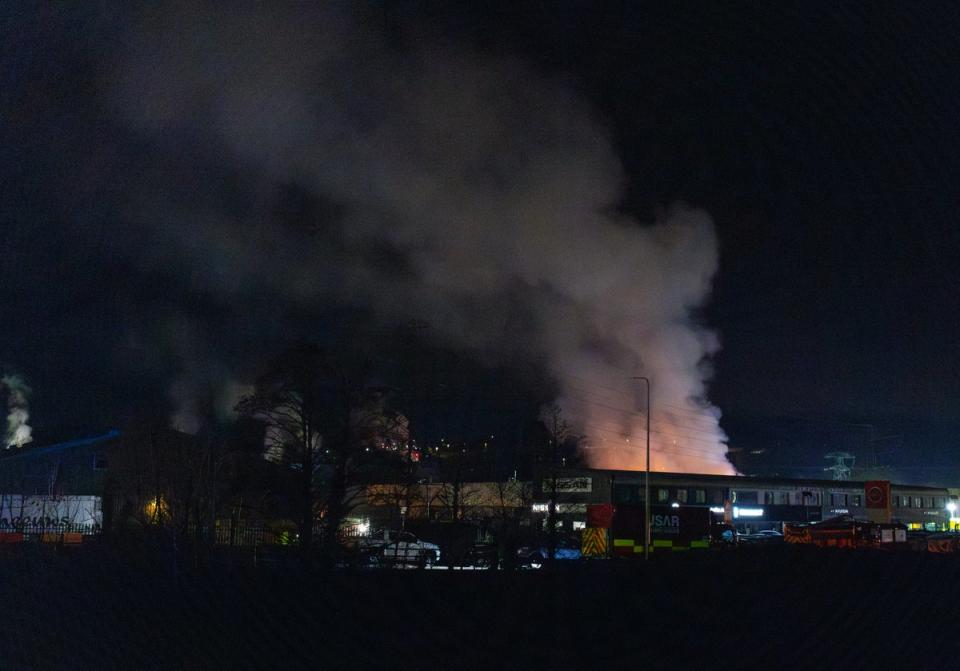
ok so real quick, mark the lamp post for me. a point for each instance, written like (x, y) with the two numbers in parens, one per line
(952, 508)
(646, 479)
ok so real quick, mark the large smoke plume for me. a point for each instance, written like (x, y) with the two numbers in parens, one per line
(473, 192)
(17, 392)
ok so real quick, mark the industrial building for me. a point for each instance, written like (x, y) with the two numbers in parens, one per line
(755, 503)
(57, 487)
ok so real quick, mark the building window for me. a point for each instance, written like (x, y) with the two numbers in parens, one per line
(700, 496)
(919, 502)
(768, 498)
(663, 495)
(907, 502)
(896, 501)
(857, 500)
(682, 495)
(785, 498)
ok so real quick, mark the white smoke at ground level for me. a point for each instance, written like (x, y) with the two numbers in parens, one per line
(19, 432)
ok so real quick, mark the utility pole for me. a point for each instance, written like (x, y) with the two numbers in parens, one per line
(646, 479)
(552, 506)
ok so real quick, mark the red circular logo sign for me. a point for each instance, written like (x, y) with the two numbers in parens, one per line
(875, 494)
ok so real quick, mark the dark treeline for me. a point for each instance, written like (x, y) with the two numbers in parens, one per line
(321, 422)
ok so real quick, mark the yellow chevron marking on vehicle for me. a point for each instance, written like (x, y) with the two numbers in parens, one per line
(593, 542)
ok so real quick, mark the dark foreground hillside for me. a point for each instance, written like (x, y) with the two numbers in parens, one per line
(95, 608)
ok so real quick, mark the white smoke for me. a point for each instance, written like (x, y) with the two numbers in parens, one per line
(495, 184)
(229, 396)
(19, 433)
(186, 415)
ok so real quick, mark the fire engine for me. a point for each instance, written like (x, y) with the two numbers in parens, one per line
(846, 532)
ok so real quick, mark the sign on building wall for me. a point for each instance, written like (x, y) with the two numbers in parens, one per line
(877, 498)
(877, 493)
(81, 513)
(569, 485)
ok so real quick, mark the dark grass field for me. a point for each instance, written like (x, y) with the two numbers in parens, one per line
(101, 608)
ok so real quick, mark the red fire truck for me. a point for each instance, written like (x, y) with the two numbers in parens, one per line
(846, 532)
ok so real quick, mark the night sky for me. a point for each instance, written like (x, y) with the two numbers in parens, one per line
(822, 140)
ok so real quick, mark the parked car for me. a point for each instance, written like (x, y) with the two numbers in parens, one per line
(398, 548)
(533, 556)
(483, 555)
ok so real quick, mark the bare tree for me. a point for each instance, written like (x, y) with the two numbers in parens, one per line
(312, 404)
(168, 482)
(560, 434)
(514, 498)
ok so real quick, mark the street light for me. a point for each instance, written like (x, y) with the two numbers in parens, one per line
(952, 508)
(646, 479)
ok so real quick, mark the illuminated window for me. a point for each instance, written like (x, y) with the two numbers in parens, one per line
(785, 498)
(896, 501)
(857, 500)
(663, 495)
(700, 496)
(919, 502)
(682, 495)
